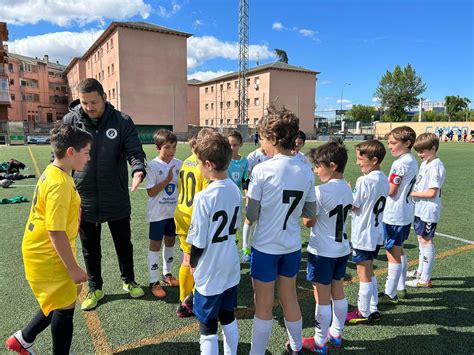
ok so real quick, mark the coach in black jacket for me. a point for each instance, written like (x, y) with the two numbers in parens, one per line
(103, 185)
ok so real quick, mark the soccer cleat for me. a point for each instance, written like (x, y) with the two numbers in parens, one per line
(387, 300)
(133, 289)
(290, 351)
(157, 290)
(170, 280)
(418, 283)
(374, 316)
(246, 255)
(355, 317)
(17, 344)
(335, 341)
(309, 344)
(402, 294)
(185, 309)
(92, 299)
(413, 274)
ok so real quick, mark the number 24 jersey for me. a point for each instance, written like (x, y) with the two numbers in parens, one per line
(328, 235)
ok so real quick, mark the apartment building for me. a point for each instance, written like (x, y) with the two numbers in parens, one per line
(38, 89)
(193, 102)
(277, 83)
(143, 69)
(4, 90)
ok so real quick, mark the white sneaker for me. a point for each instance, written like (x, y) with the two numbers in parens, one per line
(18, 344)
(418, 283)
(413, 274)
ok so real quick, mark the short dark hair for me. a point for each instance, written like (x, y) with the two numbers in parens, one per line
(281, 124)
(215, 148)
(301, 135)
(426, 141)
(88, 85)
(404, 134)
(372, 148)
(163, 136)
(330, 152)
(64, 136)
(236, 134)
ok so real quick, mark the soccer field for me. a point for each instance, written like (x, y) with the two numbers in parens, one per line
(429, 321)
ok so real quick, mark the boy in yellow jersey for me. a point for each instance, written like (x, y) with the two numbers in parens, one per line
(49, 252)
(190, 183)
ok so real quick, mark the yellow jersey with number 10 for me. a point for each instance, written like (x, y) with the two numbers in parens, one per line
(190, 183)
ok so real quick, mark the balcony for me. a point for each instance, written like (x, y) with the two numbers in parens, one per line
(4, 91)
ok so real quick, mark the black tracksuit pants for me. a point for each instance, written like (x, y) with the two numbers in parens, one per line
(92, 252)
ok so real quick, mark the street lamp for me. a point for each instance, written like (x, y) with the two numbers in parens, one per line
(342, 92)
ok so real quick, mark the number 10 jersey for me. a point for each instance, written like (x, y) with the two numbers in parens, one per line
(333, 203)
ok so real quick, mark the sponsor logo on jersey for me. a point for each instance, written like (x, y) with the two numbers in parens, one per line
(169, 189)
(111, 133)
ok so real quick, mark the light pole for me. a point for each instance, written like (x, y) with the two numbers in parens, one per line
(342, 93)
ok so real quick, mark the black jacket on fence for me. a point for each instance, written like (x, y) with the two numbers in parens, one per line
(103, 185)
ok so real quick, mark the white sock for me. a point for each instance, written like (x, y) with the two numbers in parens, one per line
(295, 334)
(394, 271)
(167, 260)
(246, 235)
(154, 265)
(365, 293)
(374, 299)
(339, 313)
(209, 344)
(19, 336)
(323, 321)
(261, 331)
(420, 258)
(403, 273)
(230, 333)
(429, 258)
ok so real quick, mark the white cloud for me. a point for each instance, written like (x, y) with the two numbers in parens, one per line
(307, 33)
(277, 26)
(207, 75)
(324, 82)
(69, 12)
(197, 23)
(375, 99)
(344, 101)
(326, 98)
(60, 46)
(164, 12)
(349, 106)
(201, 49)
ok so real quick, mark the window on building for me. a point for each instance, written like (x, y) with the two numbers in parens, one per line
(221, 104)
(248, 82)
(222, 87)
(227, 104)
(212, 105)
(27, 67)
(112, 67)
(235, 121)
(256, 101)
(10, 67)
(103, 76)
(236, 84)
(88, 64)
(107, 47)
(109, 94)
(206, 106)
(206, 90)
(111, 43)
(108, 71)
(228, 86)
(23, 82)
(255, 120)
(221, 121)
(256, 80)
(12, 81)
(248, 102)
(212, 122)
(95, 58)
(113, 93)
(12, 96)
(212, 88)
(228, 121)
(236, 103)
(206, 122)
(34, 83)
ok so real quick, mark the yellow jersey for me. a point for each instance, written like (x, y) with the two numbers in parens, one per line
(56, 207)
(190, 183)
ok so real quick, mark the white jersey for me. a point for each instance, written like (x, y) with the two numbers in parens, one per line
(214, 222)
(399, 208)
(304, 159)
(282, 185)
(431, 175)
(369, 197)
(256, 157)
(163, 205)
(328, 235)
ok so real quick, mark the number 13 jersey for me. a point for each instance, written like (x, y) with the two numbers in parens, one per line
(328, 235)
(282, 185)
(400, 208)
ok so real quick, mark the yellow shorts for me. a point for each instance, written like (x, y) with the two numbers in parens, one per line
(185, 247)
(54, 294)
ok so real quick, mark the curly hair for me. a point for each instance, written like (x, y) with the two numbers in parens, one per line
(281, 124)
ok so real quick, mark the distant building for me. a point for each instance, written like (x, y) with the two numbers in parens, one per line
(193, 101)
(275, 83)
(143, 69)
(38, 89)
(4, 90)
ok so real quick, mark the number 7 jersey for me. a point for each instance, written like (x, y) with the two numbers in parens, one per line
(333, 203)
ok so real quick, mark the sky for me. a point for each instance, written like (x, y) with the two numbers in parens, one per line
(351, 42)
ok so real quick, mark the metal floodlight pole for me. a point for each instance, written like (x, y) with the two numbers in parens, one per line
(243, 60)
(342, 93)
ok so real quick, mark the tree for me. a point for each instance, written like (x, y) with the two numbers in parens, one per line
(398, 92)
(362, 113)
(281, 54)
(455, 105)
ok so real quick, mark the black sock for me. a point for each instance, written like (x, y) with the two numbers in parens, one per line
(39, 323)
(61, 330)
